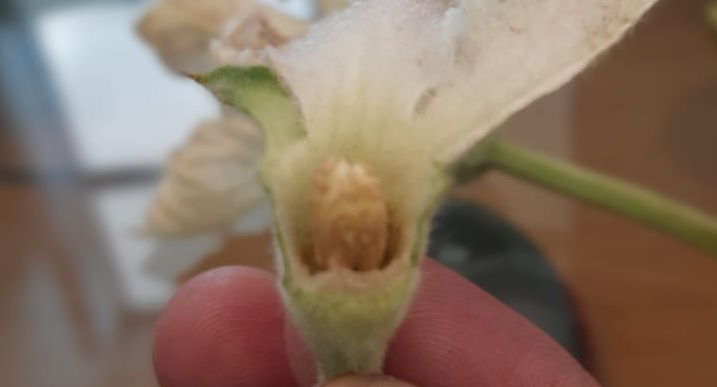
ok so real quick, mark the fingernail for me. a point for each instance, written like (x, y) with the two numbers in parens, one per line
(367, 381)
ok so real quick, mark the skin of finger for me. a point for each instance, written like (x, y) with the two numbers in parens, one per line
(457, 335)
(367, 381)
(223, 328)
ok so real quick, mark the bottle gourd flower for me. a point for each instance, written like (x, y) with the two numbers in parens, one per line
(365, 117)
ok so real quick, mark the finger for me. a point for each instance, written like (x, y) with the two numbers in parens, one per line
(221, 329)
(368, 381)
(300, 361)
(457, 335)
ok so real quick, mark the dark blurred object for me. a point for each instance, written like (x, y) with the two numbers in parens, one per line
(28, 105)
(8, 11)
(492, 254)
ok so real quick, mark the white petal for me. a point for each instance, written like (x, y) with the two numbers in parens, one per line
(515, 51)
(170, 259)
(358, 77)
(244, 36)
(211, 181)
(365, 67)
(327, 7)
(436, 76)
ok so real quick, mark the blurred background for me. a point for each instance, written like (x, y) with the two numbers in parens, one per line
(88, 115)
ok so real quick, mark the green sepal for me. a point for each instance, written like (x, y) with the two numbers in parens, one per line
(349, 333)
(474, 162)
(258, 92)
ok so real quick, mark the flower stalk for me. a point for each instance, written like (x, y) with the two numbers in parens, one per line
(626, 199)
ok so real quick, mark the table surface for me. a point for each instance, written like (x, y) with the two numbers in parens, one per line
(647, 304)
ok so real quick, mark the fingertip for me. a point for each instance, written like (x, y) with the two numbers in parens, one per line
(368, 381)
(223, 328)
(455, 334)
(300, 360)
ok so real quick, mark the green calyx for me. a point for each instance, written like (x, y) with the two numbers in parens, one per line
(258, 92)
(349, 332)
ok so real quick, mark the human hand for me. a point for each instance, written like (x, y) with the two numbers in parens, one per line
(228, 328)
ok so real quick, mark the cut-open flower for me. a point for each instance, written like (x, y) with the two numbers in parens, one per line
(365, 116)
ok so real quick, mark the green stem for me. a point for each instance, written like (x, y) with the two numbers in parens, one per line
(657, 211)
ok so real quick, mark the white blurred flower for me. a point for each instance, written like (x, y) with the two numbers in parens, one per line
(186, 32)
(244, 36)
(328, 7)
(211, 181)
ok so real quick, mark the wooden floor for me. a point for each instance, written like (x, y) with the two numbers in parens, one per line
(647, 304)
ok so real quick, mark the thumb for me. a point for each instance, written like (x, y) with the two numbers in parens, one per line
(367, 381)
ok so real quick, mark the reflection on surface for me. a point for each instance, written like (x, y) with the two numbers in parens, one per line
(76, 307)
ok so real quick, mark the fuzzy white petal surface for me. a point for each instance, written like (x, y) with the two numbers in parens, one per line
(436, 76)
(243, 36)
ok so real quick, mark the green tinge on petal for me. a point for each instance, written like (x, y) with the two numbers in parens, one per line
(474, 161)
(348, 333)
(258, 92)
